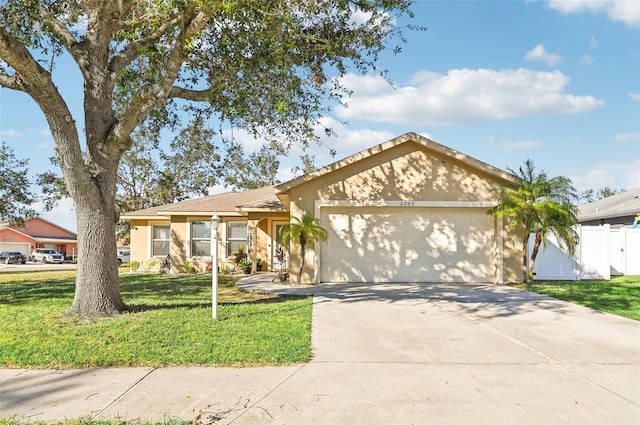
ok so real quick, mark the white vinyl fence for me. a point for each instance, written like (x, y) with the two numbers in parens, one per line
(602, 252)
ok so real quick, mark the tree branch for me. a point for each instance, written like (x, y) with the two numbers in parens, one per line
(11, 82)
(152, 95)
(129, 53)
(63, 34)
(193, 95)
(37, 82)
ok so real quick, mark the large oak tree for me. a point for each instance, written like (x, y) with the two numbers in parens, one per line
(269, 67)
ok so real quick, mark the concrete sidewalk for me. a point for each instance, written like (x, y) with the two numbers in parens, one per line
(383, 354)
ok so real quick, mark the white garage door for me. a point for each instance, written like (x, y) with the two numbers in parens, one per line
(407, 245)
(22, 247)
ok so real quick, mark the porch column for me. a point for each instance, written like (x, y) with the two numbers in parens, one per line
(252, 231)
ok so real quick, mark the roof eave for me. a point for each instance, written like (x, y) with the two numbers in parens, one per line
(258, 209)
(55, 240)
(202, 213)
(607, 215)
(408, 137)
(144, 217)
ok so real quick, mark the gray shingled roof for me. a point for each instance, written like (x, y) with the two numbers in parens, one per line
(228, 202)
(622, 204)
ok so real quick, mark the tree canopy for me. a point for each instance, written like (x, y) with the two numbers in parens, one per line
(271, 68)
(541, 205)
(14, 187)
(590, 195)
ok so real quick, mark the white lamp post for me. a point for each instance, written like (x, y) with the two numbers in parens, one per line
(215, 222)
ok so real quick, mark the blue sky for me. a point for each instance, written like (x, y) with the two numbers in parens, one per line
(501, 81)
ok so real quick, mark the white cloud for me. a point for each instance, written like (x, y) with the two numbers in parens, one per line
(627, 11)
(613, 174)
(463, 96)
(593, 42)
(635, 96)
(539, 53)
(626, 137)
(350, 141)
(587, 60)
(346, 142)
(10, 133)
(508, 145)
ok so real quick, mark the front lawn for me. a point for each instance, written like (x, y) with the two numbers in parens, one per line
(169, 324)
(620, 295)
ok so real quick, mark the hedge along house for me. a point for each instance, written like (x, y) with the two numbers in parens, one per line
(407, 210)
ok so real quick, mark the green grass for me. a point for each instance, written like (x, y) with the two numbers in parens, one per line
(620, 295)
(169, 324)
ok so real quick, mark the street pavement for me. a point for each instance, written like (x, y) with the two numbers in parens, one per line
(382, 354)
(35, 267)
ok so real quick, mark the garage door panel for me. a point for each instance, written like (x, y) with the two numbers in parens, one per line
(22, 247)
(407, 245)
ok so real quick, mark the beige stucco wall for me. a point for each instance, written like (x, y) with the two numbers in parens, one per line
(180, 250)
(141, 237)
(261, 225)
(408, 171)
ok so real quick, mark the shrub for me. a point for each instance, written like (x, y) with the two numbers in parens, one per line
(244, 264)
(134, 265)
(187, 268)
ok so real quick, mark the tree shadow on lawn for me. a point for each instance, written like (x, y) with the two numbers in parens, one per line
(610, 297)
(161, 284)
(140, 292)
(142, 306)
(27, 292)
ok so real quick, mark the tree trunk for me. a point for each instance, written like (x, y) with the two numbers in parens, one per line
(97, 282)
(525, 273)
(302, 254)
(534, 253)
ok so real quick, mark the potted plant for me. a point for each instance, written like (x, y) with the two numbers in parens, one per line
(259, 263)
(245, 265)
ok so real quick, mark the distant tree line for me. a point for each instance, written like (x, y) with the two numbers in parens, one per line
(590, 195)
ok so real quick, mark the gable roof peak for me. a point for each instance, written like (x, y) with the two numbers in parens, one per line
(410, 137)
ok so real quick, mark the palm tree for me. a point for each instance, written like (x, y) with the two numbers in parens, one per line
(304, 230)
(540, 205)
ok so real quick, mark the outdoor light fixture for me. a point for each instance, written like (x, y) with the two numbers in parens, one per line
(215, 222)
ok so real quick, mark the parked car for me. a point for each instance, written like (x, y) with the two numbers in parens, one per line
(46, 255)
(123, 256)
(10, 257)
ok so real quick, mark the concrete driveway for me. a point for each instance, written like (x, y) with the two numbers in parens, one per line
(459, 354)
(386, 354)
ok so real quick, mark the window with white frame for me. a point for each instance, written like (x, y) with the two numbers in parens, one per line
(236, 236)
(201, 238)
(161, 240)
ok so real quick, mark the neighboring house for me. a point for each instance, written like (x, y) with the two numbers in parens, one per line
(408, 210)
(616, 210)
(609, 245)
(37, 233)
